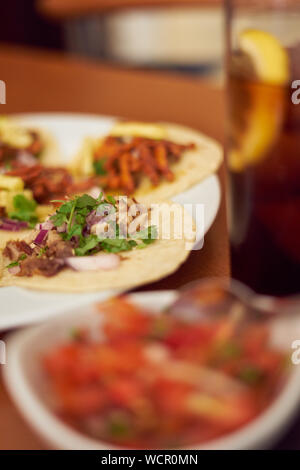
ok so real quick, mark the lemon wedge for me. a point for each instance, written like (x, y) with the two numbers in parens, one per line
(265, 112)
(263, 124)
(270, 59)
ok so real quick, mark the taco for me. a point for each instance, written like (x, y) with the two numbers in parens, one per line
(149, 161)
(26, 199)
(92, 244)
(22, 145)
(49, 183)
(19, 212)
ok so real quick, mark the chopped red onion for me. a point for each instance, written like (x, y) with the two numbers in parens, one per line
(93, 218)
(105, 261)
(12, 225)
(90, 218)
(39, 239)
(47, 225)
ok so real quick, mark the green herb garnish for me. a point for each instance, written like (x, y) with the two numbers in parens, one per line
(12, 265)
(115, 245)
(74, 213)
(111, 199)
(148, 235)
(42, 251)
(87, 244)
(99, 167)
(16, 263)
(24, 210)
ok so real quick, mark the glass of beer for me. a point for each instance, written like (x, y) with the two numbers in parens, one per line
(263, 145)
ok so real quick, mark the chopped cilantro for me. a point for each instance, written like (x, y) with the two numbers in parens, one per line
(87, 244)
(115, 245)
(12, 265)
(42, 251)
(73, 213)
(111, 199)
(70, 221)
(66, 208)
(148, 235)
(74, 231)
(85, 201)
(16, 263)
(24, 210)
(99, 167)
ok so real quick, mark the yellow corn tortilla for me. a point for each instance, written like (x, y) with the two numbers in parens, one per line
(139, 266)
(193, 167)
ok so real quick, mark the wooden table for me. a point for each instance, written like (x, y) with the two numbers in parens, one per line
(63, 9)
(39, 81)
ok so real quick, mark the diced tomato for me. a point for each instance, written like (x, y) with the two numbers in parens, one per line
(81, 401)
(170, 396)
(189, 336)
(60, 360)
(125, 391)
(255, 339)
(123, 319)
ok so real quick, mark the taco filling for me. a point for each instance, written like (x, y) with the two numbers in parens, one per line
(84, 234)
(19, 146)
(150, 161)
(121, 162)
(18, 209)
(48, 183)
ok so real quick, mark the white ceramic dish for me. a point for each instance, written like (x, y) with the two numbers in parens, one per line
(21, 307)
(23, 378)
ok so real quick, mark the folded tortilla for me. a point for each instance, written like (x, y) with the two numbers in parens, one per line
(137, 267)
(193, 167)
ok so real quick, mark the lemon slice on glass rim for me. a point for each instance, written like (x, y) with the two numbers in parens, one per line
(264, 119)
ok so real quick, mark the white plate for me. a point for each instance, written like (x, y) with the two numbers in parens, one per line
(24, 380)
(21, 307)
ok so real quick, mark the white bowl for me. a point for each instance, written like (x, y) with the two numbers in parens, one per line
(24, 380)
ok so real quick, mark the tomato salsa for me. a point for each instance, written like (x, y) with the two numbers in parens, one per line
(165, 380)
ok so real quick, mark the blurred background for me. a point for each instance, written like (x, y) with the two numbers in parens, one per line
(174, 35)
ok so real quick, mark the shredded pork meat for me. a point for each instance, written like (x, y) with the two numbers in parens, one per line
(126, 161)
(53, 252)
(48, 184)
(44, 266)
(14, 249)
